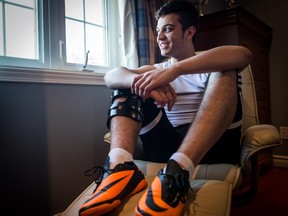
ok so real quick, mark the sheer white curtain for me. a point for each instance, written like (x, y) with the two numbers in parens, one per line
(128, 33)
(138, 31)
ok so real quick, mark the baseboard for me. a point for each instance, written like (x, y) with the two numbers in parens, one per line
(280, 161)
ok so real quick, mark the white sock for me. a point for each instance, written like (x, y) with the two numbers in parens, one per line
(184, 161)
(119, 155)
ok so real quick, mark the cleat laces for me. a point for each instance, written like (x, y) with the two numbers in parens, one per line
(176, 189)
(100, 173)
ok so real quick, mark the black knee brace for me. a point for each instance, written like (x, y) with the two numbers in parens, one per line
(131, 107)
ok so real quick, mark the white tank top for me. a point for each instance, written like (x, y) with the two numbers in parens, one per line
(189, 89)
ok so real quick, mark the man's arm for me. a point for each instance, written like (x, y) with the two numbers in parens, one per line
(223, 58)
(122, 77)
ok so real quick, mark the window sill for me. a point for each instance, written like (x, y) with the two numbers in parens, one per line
(14, 74)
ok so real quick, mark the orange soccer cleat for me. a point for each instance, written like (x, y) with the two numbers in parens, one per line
(113, 186)
(167, 194)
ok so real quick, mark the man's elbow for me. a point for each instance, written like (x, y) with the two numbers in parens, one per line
(107, 78)
(246, 57)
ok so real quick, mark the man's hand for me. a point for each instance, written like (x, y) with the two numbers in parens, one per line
(144, 83)
(164, 95)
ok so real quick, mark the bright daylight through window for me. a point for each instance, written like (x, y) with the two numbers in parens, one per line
(85, 23)
(19, 29)
(58, 34)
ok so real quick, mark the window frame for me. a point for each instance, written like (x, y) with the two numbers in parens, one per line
(50, 69)
(21, 62)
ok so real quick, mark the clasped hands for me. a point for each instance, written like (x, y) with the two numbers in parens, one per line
(155, 84)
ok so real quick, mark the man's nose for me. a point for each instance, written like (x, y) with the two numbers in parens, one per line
(160, 36)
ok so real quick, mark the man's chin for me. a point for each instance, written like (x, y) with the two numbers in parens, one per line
(165, 54)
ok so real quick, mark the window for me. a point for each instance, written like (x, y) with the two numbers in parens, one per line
(85, 31)
(59, 34)
(19, 34)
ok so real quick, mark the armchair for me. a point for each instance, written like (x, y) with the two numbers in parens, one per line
(216, 187)
(255, 138)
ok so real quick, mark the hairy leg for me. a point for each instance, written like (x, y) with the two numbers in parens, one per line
(214, 116)
(124, 129)
(124, 133)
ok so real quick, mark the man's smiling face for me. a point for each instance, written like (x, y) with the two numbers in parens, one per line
(170, 37)
(169, 34)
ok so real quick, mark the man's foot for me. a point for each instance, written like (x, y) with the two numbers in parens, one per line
(112, 186)
(167, 194)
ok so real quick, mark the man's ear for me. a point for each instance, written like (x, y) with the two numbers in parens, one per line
(189, 33)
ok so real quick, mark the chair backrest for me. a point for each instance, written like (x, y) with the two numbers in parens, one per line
(250, 113)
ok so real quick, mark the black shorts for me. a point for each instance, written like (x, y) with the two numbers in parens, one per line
(163, 140)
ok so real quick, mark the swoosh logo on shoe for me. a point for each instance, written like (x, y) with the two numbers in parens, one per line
(143, 213)
(152, 204)
(104, 189)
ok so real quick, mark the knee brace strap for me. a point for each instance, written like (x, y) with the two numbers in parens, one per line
(131, 107)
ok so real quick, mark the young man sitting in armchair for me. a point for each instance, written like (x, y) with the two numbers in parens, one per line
(186, 110)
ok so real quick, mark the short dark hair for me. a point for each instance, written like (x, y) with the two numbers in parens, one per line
(186, 10)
